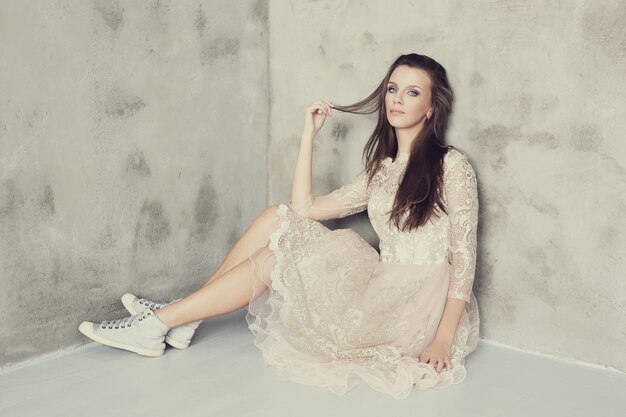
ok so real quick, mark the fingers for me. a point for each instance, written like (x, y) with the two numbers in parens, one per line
(323, 106)
(327, 105)
(318, 109)
(436, 362)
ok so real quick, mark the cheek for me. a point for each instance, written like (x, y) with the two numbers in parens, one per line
(419, 108)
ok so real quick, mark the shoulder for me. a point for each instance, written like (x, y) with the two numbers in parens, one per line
(456, 162)
(453, 156)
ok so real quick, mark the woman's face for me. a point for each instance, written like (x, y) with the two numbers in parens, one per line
(408, 91)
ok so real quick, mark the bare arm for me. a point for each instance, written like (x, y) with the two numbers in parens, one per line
(301, 187)
(314, 118)
(450, 320)
(348, 199)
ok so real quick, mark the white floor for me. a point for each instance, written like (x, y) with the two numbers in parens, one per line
(222, 374)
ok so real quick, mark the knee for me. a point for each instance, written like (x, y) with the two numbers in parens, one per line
(269, 215)
(272, 210)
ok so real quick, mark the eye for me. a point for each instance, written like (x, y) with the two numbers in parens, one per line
(416, 93)
(390, 88)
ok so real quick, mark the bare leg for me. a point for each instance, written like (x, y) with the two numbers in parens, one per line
(235, 287)
(233, 290)
(256, 235)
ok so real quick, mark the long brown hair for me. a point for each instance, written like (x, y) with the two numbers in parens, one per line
(421, 188)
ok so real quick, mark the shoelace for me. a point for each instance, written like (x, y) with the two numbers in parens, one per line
(151, 304)
(125, 322)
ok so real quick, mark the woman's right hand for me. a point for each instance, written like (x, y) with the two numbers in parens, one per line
(315, 116)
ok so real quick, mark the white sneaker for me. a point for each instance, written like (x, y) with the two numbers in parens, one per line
(178, 337)
(140, 333)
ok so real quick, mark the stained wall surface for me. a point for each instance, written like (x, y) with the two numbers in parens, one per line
(540, 94)
(132, 151)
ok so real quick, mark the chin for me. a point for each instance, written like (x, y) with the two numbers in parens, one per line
(403, 125)
(395, 123)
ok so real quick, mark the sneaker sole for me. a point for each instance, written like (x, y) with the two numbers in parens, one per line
(86, 328)
(127, 301)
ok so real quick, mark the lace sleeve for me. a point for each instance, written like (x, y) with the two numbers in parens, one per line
(349, 199)
(462, 202)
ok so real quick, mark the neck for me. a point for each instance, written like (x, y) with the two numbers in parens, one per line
(406, 137)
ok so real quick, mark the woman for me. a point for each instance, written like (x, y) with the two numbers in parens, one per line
(324, 306)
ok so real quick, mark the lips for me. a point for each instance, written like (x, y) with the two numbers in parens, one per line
(396, 111)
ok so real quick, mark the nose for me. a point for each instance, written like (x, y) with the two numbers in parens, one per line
(396, 98)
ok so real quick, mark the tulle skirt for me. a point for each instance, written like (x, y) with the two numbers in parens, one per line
(334, 315)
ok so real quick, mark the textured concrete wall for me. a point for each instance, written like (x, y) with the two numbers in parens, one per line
(132, 150)
(540, 97)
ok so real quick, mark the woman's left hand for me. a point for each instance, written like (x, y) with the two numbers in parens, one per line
(437, 354)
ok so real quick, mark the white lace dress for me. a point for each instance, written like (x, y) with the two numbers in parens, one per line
(337, 312)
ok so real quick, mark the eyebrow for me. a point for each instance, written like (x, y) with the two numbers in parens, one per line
(391, 82)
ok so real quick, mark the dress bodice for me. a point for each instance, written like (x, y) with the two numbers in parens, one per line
(427, 244)
(447, 236)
